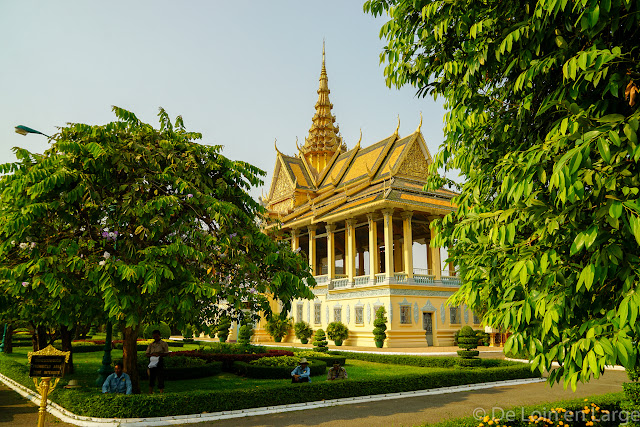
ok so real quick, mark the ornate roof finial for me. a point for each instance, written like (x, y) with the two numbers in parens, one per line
(324, 138)
(397, 128)
(297, 146)
(276, 145)
(358, 144)
(420, 125)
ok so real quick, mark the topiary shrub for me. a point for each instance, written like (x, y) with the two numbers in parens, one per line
(223, 328)
(468, 342)
(187, 334)
(337, 332)
(380, 326)
(165, 330)
(320, 343)
(303, 331)
(244, 334)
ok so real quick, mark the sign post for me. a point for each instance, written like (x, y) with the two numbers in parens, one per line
(47, 364)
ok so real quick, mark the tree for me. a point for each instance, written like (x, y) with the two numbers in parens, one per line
(542, 120)
(155, 225)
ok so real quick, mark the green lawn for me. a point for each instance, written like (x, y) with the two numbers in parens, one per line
(87, 365)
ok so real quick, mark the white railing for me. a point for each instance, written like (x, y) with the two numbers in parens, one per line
(340, 283)
(400, 277)
(380, 277)
(423, 278)
(320, 280)
(450, 280)
(361, 280)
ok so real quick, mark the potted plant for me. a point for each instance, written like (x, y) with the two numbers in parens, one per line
(380, 326)
(278, 327)
(337, 332)
(223, 328)
(303, 331)
(320, 342)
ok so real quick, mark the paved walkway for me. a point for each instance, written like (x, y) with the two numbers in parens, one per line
(17, 411)
(418, 410)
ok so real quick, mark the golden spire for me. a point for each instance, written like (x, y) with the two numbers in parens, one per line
(397, 128)
(420, 125)
(324, 139)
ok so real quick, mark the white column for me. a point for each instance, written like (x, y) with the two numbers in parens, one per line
(435, 256)
(373, 248)
(388, 242)
(312, 249)
(331, 251)
(350, 263)
(408, 243)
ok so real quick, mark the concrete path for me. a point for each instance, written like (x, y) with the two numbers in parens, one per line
(18, 411)
(414, 411)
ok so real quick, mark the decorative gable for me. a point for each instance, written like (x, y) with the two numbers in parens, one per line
(415, 163)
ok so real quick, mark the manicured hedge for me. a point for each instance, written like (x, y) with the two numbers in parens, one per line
(610, 402)
(330, 360)
(156, 405)
(317, 367)
(228, 359)
(173, 374)
(424, 361)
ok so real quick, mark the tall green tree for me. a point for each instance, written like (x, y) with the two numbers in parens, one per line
(148, 221)
(542, 121)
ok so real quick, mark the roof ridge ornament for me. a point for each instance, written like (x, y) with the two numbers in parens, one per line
(420, 125)
(275, 144)
(398, 127)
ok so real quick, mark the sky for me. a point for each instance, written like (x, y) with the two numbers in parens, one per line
(242, 73)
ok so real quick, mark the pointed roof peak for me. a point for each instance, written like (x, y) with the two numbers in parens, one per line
(324, 135)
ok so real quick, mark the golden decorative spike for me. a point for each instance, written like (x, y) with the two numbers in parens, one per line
(397, 128)
(324, 138)
(276, 145)
(297, 146)
(420, 125)
(358, 144)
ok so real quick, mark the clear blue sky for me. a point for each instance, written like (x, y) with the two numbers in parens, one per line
(242, 73)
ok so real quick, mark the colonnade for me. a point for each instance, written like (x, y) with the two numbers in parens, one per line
(398, 253)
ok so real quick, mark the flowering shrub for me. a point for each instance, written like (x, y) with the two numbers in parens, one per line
(591, 415)
(279, 361)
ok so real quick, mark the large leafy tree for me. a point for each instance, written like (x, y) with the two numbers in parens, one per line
(147, 221)
(542, 122)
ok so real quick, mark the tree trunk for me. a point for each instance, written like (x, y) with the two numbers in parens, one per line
(130, 356)
(8, 340)
(66, 337)
(41, 337)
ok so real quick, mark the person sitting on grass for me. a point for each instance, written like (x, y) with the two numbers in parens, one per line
(337, 372)
(302, 373)
(118, 382)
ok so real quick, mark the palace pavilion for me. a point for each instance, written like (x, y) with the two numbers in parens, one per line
(357, 214)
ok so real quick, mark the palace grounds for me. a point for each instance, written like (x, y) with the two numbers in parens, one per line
(397, 373)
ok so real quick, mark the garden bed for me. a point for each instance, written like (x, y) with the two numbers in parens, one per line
(230, 392)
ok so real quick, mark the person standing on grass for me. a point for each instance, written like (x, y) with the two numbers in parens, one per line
(118, 382)
(156, 352)
(302, 373)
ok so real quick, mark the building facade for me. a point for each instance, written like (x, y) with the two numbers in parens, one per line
(358, 214)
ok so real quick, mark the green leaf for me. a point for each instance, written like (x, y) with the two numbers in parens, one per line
(605, 151)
